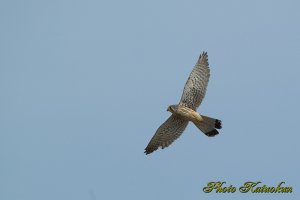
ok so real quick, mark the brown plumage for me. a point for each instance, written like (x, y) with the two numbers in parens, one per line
(193, 94)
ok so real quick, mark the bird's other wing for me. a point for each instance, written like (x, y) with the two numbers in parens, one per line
(195, 87)
(167, 133)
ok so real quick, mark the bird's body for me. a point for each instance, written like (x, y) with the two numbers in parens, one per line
(185, 113)
(193, 94)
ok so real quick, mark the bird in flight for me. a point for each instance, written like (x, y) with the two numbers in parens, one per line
(193, 94)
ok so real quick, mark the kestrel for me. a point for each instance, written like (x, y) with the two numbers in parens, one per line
(193, 94)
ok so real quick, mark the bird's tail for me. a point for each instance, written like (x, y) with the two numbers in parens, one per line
(209, 126)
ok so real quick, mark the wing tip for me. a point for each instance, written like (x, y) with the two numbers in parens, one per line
(203, 57)
(148, 151)
(204, 54)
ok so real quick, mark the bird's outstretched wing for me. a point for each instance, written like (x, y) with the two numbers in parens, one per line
(195, 87)
(167, 133)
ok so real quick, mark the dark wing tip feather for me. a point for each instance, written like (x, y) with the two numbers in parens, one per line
(203, 58)
(149, 150)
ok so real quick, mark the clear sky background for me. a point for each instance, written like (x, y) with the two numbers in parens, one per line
(85, 84)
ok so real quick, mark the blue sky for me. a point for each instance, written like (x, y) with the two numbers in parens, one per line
(85, 84)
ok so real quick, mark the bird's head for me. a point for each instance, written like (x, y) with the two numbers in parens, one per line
(171, 108)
